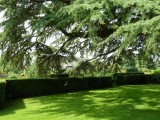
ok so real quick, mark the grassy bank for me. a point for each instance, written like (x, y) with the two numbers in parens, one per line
(120, 103)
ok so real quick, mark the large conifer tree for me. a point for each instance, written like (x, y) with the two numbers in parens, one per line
(107, 30)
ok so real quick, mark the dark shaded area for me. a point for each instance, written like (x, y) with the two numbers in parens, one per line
(12, 106)
(135, 79)
(2, 93)
(130, 79)
(38, 87)
(58, 75)
(33, 87)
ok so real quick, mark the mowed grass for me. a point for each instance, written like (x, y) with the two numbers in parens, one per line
(120, 103)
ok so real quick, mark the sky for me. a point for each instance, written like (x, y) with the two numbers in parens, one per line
(1, 19)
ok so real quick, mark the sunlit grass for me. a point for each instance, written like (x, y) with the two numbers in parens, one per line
(119, 103)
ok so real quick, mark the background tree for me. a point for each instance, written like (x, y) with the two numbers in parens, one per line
(107, 31)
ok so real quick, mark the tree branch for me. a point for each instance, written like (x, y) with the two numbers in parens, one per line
(69, 39)
(74, 34)
(102, 54)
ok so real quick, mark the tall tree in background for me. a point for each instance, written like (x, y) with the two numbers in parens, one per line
(107, 30)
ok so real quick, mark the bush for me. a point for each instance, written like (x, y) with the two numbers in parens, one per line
(75, 84)
(2, 93)
(99, 82)
(156, 72)
(33, 87)
(86, 83)
(36, 87)
(128, 73)
(130, 79)
(132, 70)
(153, 79)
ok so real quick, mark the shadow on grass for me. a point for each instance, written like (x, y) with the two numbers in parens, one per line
(127, 102)
(12, 106)
(121, 103)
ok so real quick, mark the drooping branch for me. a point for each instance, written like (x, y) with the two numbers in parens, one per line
(63, 45)
(74, 34)
(103, 54)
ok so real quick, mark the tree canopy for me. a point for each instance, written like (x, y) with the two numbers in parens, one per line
(108, 31)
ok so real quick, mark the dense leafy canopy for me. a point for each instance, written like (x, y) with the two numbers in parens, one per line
(108, 31)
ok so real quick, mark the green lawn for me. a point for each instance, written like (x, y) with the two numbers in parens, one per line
(119, 103)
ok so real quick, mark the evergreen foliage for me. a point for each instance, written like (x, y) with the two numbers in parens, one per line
(107, 30)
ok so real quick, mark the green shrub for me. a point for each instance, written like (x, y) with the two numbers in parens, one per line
(37, 87)
(152, 79)
(133, 79)
(128, 73)
(33, 87)
(85, 83)
(99, 82)
(156, 72)
(2, 93)
(75, 84)
(132, 70)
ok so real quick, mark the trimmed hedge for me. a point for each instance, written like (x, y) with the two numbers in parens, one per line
(37, 87)
(99, 82)
(75, 84)
(2, 93)
(130, 79)
(152, 79)
(88, 83)
(33, 87)
(135, 79)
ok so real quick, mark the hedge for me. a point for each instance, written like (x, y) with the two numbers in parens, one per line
(136, 78)
(130, 79)
(88, 83)
(99, 82)
(2, 93)
(75, 84)
(37, 87)
(33, 87)
(152, 79)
